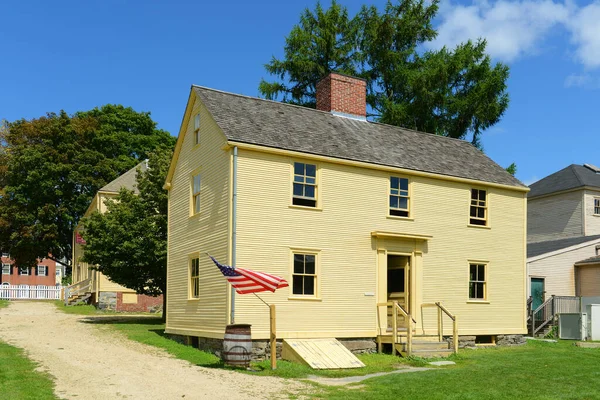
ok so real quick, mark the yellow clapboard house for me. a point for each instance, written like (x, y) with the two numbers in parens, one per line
(357, 216)
(93, 286)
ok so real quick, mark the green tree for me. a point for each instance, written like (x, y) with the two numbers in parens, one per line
(512, 169)
(324, 41)
(456, 93)
(128, 243)
(51, 167)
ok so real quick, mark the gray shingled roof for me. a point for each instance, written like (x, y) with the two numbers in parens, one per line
(539, 248)
(591, 260)
(127, 180)
(279, 125)
(571, 177)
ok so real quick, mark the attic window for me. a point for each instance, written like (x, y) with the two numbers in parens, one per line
(478, 208)
(197, 129)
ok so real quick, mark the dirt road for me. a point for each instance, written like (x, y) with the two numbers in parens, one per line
(90, 363)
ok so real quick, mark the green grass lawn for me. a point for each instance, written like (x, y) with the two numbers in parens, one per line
(538, 370)
(18, 378)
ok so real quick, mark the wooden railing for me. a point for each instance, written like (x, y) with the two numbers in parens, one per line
(77, 288)
(408, 320)
(440, 323)
(544, 315)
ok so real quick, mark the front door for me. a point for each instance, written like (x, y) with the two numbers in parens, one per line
(537, 292)
(398, 273)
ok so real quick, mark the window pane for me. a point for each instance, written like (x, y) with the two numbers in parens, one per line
(404, 184)
(312, 181)
(473, 212)
(479, 290)
(471, 290)
(403, 203)
(299, 178)
(297, 284)
(309, 285)
(298, 263)
(481, 212)
(482, 195)
(196, 183)
(394, 183)
(298, 189)
(474, 194)
(481, 272)
(473, 272)
(311, 170)
(310, 264)
(393, 202)
(309, 191)
(197, 204)
(298, 168)
(395, 192)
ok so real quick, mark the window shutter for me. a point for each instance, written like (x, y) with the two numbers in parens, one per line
(35, 270)
(11, 269)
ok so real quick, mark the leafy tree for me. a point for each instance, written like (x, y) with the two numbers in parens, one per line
(512, 169)
(324, 41)
(51, 167)
(128, 243)
(457, 93)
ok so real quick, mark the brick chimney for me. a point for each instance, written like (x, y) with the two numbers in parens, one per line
(343, 95)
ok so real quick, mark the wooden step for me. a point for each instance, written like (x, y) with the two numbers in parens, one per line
(424, 353)
(426, 345)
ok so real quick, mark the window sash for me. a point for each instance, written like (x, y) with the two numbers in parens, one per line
(6, 269)
(41, 270)
(305, 181)
(196, 186)
(195, 278)
(304, 275)
(477, 281)
(23, 271)
(399, 194)
(478, 207)
(596, 206)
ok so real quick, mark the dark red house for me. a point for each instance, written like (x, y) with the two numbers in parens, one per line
(44, 273)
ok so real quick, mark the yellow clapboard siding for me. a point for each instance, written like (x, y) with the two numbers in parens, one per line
(205, 232)
(354, 204)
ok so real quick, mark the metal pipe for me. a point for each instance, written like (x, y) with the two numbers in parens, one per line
(233, 227)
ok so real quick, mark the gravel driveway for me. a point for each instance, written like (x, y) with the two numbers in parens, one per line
(89, 362)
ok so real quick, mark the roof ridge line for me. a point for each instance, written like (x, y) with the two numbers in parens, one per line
(576, 173)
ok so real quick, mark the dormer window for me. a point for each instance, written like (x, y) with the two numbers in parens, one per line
(197, 129)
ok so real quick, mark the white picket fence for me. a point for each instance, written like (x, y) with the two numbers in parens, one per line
(33, 292)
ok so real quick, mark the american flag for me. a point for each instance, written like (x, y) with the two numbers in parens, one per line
(248, 281)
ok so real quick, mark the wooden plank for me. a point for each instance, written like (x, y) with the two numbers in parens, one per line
(320, 353)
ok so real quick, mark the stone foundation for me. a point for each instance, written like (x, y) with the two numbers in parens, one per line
(107, 301)
(470, 342)
(261, 349)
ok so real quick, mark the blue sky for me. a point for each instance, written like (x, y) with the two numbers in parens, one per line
(76, 55)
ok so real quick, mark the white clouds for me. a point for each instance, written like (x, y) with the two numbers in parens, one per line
(585, 81)
(512, 29)
(585, 28)
(519, 28)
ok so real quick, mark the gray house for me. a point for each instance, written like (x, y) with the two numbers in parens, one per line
(563, 234)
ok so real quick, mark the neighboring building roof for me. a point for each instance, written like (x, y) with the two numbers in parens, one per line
(285, 126)
(571, 177)
(127, 180)
(539, 248)
(591, 260)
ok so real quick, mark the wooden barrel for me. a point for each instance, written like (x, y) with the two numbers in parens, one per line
(237, 345)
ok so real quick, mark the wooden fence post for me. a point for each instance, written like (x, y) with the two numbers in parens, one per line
(273, 337)
(394, 326)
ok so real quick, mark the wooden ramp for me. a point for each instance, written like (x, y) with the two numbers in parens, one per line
(319, 353)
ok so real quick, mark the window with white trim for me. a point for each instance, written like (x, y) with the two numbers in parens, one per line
(477, 281)
(197, 129)
(478, 209)
(23, 271)
(597, 206)
(399, 197)
(304, 276)
(6, 269)
(42, 270)
(305, 185)
(196, 194)
(7, 255)
(195, 278)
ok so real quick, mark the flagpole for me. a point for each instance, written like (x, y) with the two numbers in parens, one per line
(272, 331)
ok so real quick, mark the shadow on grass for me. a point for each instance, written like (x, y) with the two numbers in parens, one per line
(122, 319)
